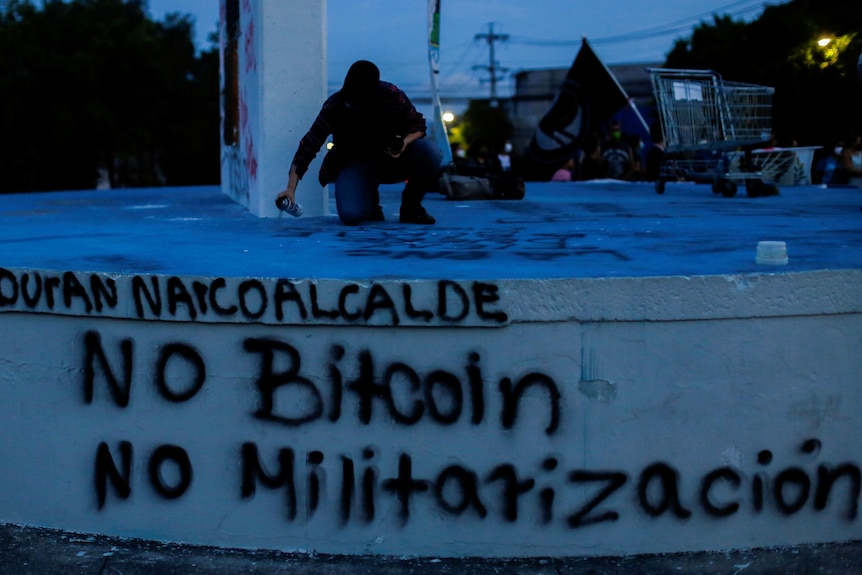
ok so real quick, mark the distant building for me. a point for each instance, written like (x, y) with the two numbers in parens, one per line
(535, 91)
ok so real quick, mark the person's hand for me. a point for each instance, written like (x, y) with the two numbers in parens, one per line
(287, 193)
(290, 190)
(395, 147)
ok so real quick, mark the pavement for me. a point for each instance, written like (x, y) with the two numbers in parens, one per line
(34, 551)
(594, 229)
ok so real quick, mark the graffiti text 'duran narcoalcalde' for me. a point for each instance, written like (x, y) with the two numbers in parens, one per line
(446, 302)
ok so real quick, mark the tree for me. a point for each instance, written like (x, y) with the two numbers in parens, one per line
(817, 90)
(94, 85)
(486, 124)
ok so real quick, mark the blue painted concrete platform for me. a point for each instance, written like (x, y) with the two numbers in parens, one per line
(560, 230)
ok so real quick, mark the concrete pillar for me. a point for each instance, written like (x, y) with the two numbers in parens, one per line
(273, 56)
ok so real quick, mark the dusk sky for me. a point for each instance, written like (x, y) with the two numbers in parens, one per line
(541, 34)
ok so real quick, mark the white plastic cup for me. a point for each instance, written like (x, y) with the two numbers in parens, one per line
(771, 253)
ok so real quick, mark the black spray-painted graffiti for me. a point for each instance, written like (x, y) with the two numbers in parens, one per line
(518, 230)
(157, 297)
(503, 493)
(393, 392)
(439, 395)
(36, 289)
(120, 479)
(359, 488)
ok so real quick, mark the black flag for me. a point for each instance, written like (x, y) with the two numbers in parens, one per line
(590, 95)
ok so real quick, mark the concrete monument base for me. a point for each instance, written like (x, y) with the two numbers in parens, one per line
(516, 403)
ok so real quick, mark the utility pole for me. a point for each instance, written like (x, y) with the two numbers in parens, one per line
(492, 67)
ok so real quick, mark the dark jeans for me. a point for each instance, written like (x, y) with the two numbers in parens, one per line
(356, 196)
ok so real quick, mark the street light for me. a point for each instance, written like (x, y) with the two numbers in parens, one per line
(448, 117)
(823, 42)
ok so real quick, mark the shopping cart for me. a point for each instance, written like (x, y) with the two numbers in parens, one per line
(710, 127)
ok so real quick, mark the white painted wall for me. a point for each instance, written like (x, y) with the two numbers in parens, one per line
(282, 84)
(711, 413)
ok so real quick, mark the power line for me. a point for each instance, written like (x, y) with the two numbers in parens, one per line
(682, 25)
(492, 66)
(675, 27)
(460, 64)
(453, 82)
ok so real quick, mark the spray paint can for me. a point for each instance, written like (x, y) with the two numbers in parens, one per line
(292, 208)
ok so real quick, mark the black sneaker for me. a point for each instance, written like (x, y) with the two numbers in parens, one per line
(416, 216)
(377, 215)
